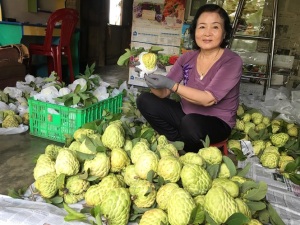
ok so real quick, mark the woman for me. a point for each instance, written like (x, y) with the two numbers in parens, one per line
(207, 80)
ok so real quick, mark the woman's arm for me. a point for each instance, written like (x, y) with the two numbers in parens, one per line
(196, 96)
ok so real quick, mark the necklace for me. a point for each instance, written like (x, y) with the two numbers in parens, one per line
(210, 63)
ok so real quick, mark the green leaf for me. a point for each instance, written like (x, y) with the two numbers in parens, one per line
(69, 102)
(230, 165)
(83, 156)
(247, 185)
(239, 155)
(148, 134)
(291, 167)
(61, 181)
(274, 217)
(76, 99)
(209, 219)
(295, 178)
(255, 206)
(213, 170)
(92, 178)
(14, 194)
(57, 200)
(77, 88)
(178, 145)
(73, 214)
(124, 59)
(155, 49)
(245, 170)
(150, 175)
(264, 216)
(95, 211)
(257, 194)
(83, 96)
(237, 219)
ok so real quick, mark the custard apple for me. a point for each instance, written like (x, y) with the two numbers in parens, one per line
(182, 200)
(98, 166)
(43, 166)
(66, 163)
(46, 185)
(195, 179)
(118, 160)
(142, 193)
(113, 136)
(219, 204)
(164, 194)
(115, 206)
(169, 168)
(154, 217)
(148, 161)
(211, 155)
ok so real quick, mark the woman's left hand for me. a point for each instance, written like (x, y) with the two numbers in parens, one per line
(159, 81)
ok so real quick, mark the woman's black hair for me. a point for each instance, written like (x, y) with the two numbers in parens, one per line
(223, 14)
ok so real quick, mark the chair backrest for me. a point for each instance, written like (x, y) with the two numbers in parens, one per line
(68, 19)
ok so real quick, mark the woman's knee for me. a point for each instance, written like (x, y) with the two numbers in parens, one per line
(142, 99)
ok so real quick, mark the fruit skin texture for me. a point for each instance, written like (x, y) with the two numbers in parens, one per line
(81, 133)
(180, 207)
(169, 168)
(154, 217)
(269, 160)
(95, 193)
(10, 121)
(171, 148)
(113, 136)
(224, 171)
(66, 163)
(52, 150)
(118, 160)
(46, 185)
(230, 186)
(146, 162)
(293, 131)
(43, 165)
(137, 150)
(219, 204)
(129, 174)
(243, 207)
(279, 139)
(192, 158)
(98, 166)
(195, 179)
(142, 193)
(234, 144)
(164, 194)
(211, 155)
(75, 185)
(115, 206)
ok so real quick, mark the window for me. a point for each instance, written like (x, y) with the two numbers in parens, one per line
(115, 12)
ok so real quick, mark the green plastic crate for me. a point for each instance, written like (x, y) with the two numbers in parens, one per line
(53, 121)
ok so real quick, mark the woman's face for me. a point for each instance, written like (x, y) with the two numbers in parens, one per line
(210, 31)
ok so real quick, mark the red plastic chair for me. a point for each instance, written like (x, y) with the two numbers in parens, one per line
(222, 144)
(68, 18)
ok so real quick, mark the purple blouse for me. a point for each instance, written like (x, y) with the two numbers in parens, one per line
(222, 80)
